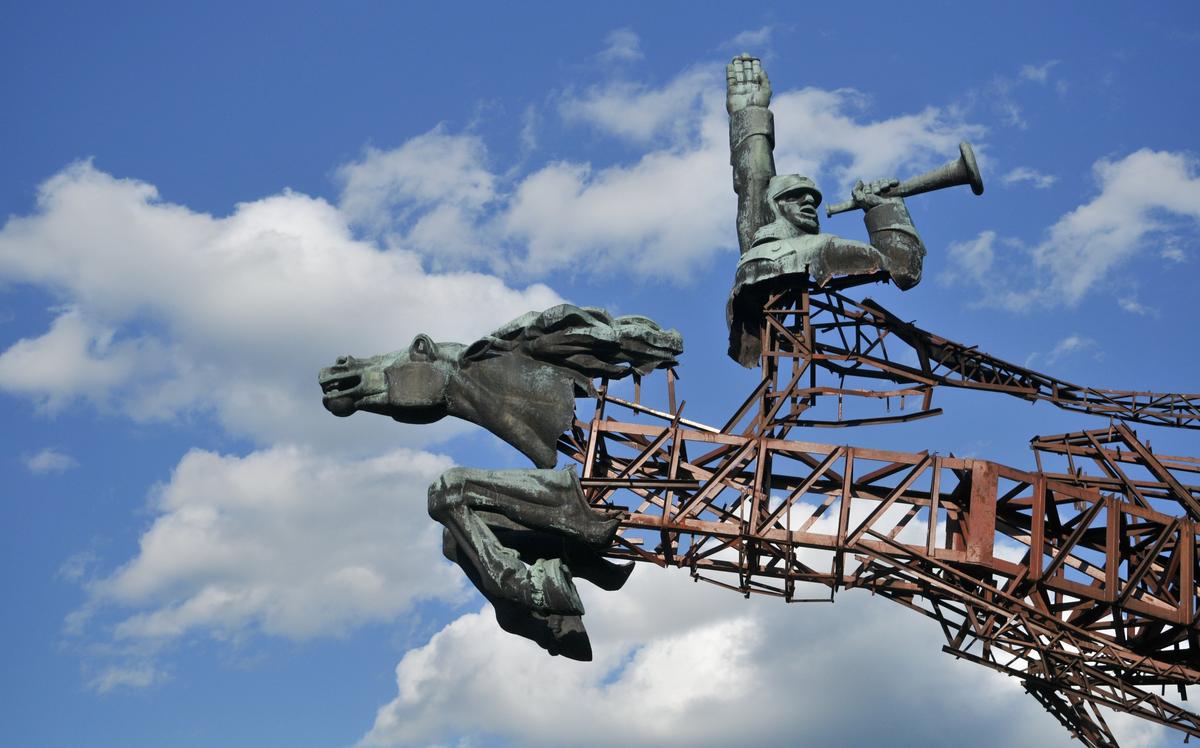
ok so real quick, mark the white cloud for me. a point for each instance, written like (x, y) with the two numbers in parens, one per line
(675, 205)
(1172, 253)
(1137, 194)
(822, 133)
(752, 39)
(77, 566)
(1068, 346)
(76, 356)
(138, 675)
(675, 660)
(1133, 306)
(282, 541)
(49, 460)
(971, 260)
(999, 95)
(529, 129)
(638, 111)
(654, 218)
(1036, 179)
(173, 310)
(429, 194)
(1038, 73)
(430, 169)
(1147, 200)
(665, 214)
(623, 45)
(975, 262)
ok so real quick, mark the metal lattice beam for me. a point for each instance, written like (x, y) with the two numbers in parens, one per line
(1081, 580)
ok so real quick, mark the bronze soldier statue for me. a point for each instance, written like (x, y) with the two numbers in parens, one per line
(779, 232)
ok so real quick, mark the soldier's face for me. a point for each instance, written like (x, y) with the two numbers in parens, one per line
(800, 209)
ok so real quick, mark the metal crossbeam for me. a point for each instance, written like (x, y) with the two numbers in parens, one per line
(1078, 579)
(863, 340)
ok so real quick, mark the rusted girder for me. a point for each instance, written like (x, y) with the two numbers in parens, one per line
(823, 329)
(1081, 580)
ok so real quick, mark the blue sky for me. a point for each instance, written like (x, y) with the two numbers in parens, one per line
(203, 204)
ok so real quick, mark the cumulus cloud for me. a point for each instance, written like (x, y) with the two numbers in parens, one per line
(675, 660)
(674, 203)
(645, 218)
(665, 212)
(172, 310)
(49, 460)
(283, 541)
(429, 194)
(825, 134)
(1034, 178)
(76, 357)
(1146, 200)
(639, 111)
(1139, 194)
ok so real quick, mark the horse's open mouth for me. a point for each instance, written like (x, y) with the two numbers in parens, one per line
(331, 386)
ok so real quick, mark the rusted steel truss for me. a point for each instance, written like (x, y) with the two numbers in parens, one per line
(862, 340)
(1079, 577)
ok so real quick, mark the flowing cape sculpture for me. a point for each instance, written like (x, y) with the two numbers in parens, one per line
(520, 535)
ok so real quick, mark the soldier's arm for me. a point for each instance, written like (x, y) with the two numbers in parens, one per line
(751, 141)
(895, 244)
(892, 231)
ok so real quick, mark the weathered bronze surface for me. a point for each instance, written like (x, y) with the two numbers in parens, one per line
(962, 170)
(779, 230)
(520, 535)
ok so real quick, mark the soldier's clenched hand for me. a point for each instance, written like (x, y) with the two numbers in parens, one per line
(868, 195)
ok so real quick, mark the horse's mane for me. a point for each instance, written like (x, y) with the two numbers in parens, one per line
(586, 340)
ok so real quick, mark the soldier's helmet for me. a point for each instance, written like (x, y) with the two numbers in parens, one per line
(785, 184)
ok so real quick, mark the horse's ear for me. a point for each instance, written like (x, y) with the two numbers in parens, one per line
(477, 351)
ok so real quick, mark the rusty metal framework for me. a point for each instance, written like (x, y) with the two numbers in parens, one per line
(865, 343)
(1078, 577)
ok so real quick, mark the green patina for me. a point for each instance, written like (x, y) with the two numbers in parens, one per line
(521, 536)
(778, 226)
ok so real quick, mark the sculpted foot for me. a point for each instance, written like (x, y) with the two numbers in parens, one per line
(589, 525)
(598, 532)
(607, 575)
(553, 590)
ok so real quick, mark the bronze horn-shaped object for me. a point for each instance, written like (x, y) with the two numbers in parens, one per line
(963, 170)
